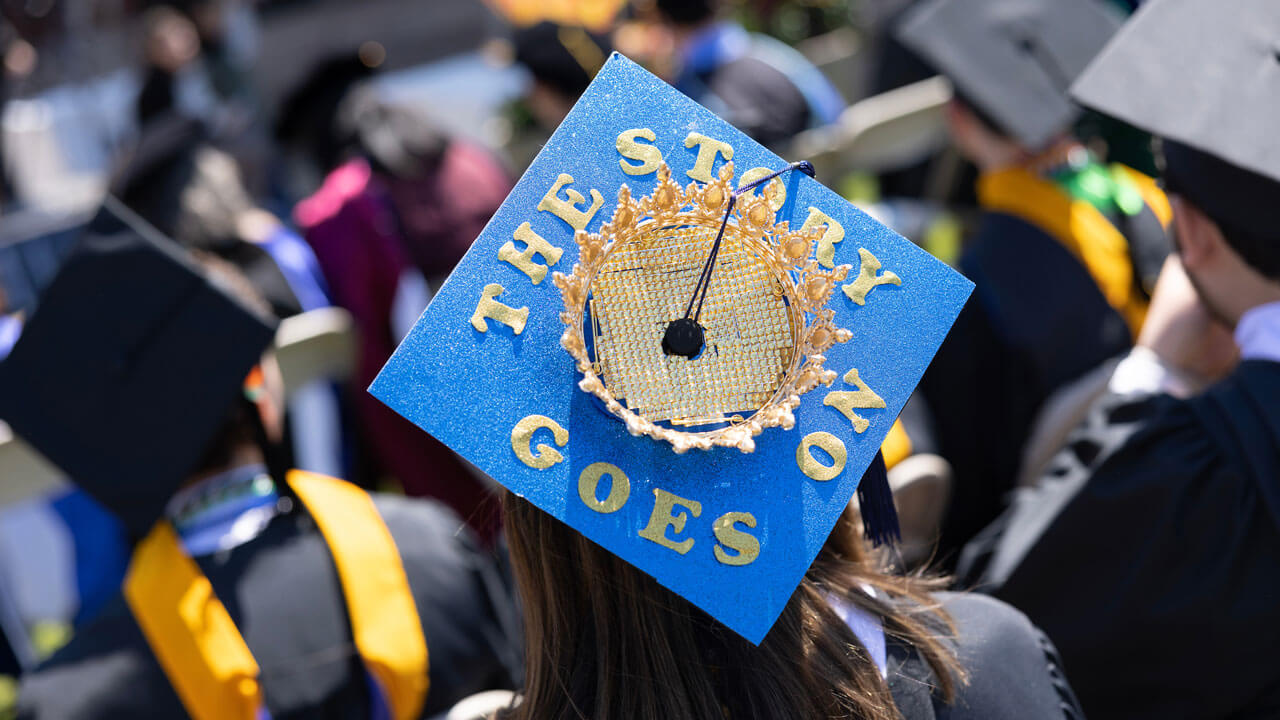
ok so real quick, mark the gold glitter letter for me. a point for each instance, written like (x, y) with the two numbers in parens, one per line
(834, 233)
(535, 245)
(846, 400)
(810, 466)
(867, 278)
(522, 435)
(778, 198)
(619, 487)
(662, 518)
(490, 308)
(708, 148)
(567, 210)
(745, 546)
(649, 156)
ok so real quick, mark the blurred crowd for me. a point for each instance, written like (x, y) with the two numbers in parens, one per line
(342, 157)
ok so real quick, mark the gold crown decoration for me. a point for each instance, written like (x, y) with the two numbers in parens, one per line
(765, 318)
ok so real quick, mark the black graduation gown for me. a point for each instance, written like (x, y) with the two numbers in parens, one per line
(1035, 321)
(9, 665)
(283, 593)
(1013, 670)
(1150, 553)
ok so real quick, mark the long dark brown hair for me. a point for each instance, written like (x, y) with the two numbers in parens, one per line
(603, 640)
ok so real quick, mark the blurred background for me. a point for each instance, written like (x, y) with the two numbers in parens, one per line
(80, 78)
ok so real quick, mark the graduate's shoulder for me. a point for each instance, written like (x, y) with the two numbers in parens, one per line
(424, 528)
(1013, 669)
(1034, 290)
(106, 670)
(1232, 427)
(1247, 399)
(443, 561)
(465, 602)
(1240, 417)
(1001, 240)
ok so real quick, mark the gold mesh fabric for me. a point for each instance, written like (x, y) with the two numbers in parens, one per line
(646, 283)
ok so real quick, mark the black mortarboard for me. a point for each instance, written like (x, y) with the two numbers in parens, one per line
(32, 248)
(1206, 77)
(129, 366)
(1013, 60)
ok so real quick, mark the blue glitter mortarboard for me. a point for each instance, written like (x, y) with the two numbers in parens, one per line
(540, 360)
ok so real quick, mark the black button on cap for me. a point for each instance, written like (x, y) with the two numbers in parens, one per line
(683, 337)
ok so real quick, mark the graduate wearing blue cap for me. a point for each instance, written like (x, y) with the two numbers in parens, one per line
(680, 355)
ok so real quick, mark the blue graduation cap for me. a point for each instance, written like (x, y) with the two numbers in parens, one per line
(694, 381)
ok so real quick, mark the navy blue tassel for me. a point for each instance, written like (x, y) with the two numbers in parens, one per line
(879, 516)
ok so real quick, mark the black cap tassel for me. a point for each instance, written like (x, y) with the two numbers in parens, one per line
(875, 498)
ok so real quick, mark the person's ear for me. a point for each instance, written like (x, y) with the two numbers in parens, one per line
(1196, 236)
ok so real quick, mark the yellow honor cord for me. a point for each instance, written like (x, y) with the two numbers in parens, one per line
(896, 446)
(384, 618)
(1080, 227)
(1151, 194)
(204, 655)
(190, 632)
